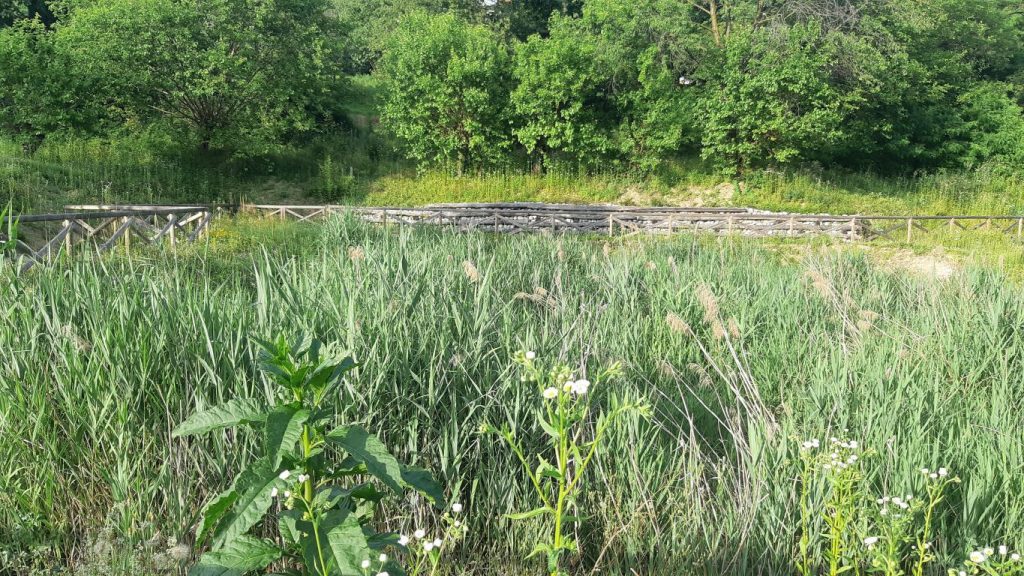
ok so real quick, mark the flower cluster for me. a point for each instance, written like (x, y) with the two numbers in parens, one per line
(895, 502)
(424, 558)
(990, 561)
(383, 558)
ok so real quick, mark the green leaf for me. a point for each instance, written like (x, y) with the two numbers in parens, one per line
(213, 511)
(342, 545)
(330, 496)
(546, 470)
(284, 428)
(254, 487)
(548, 428)
(240, 556)
(530, 514)
(287, 525)
(231, 413)
(422, 481)
(539, 549)
(369, 450)
(366, 491)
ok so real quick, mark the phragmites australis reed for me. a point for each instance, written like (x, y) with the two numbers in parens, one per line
(712, 315)
(677, 324)
(472, 274)
(356, 253)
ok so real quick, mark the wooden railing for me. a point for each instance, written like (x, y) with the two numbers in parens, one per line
(558, 218)
(103, 226)
(42, 236)
(529, 217)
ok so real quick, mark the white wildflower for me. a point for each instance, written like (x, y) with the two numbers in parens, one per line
(961, 573)
(303, 478)
(287, 494)
(383, 558)
(1015, 557)
(284, 475)
(531, 355)
(943, 472)
(1003, 550)
(933, 475)
(870, 541)
(580, 387)
(457, 508)
(551, 393)
(988, 551)
(382, 574)
(273, 493)
(403, 540)
(977, 556)
(419, 533)
(365, 563)
(437, 543)
(853, 444)
(924, 471)
(428, 546)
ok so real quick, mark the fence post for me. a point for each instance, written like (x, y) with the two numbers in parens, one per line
(67, 239)
(910, 227)
(173, 221)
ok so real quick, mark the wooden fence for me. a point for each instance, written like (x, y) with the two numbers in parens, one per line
(560, 218)
(105, 225)
(42, 236)
(530, 217)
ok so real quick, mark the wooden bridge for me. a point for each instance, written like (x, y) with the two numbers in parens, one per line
(101, 227)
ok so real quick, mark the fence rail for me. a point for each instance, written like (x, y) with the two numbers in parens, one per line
(529, 217)
(43, 236)
(104, 225)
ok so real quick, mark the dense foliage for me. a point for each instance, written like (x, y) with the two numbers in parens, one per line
(745, 84)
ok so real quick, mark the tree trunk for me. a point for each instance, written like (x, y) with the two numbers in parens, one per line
(715, 31)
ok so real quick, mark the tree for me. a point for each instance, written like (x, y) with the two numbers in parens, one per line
(601, 88)
(40, 91)
(446, 85)
(524, 18)
(236, 74)
(993, 128)
(772, 98)
(369, 24)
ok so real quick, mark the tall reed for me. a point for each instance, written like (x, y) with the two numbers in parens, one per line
(735, 347)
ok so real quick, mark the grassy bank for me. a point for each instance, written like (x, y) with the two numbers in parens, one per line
(362, 168)
(98, 363)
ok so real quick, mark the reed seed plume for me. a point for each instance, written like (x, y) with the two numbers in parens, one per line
(677, 324)
(472, 274)
(356, 253)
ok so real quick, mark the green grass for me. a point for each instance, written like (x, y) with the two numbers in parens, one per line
(101, 358)
(363, 168)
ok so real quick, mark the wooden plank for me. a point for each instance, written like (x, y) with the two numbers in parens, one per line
(200, 227)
